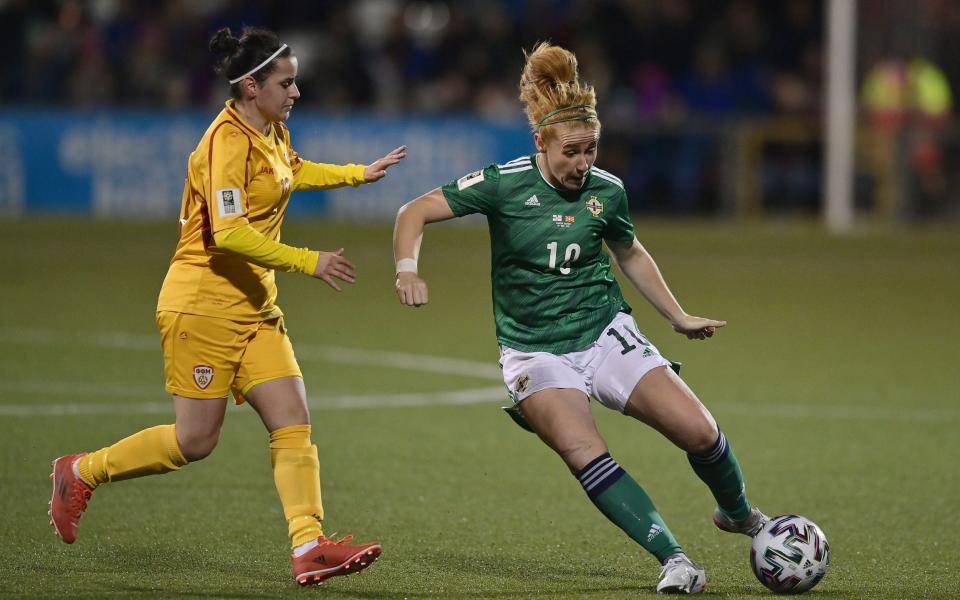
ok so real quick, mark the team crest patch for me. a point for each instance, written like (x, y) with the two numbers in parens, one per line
(203, 375)
(594, 206)
(522, 382)
(469, 179)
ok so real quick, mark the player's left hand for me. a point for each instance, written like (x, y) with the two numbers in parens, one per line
(334, 264)
(377, 170)
(697, 328)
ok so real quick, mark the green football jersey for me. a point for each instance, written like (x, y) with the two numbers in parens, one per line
(553, 290)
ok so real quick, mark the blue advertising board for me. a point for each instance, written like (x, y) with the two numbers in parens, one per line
(132, 163)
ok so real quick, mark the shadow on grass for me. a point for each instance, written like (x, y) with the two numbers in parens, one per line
(513, 576)
(179, 576)
(175, 569)
(756, 590)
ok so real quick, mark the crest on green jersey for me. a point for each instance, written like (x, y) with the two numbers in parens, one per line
(594, 206)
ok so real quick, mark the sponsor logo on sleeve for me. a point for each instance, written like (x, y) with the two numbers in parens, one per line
(228, 201)
(202, 375)
(469, 179)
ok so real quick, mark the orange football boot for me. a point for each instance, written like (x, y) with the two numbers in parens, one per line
(330, 558)
(69, 498)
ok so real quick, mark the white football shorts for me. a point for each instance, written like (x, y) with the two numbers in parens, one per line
(608, 369)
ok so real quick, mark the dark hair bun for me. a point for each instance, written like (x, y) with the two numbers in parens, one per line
(223, 42)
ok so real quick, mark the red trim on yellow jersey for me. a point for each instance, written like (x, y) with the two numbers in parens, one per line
(206, 229)
(213, 136)
(246, 174)
(239, 120)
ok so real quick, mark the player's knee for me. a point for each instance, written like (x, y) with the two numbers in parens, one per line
(701, 437)
(578, 453)
(198, 444)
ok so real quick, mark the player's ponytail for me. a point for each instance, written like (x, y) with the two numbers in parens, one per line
(551, 91)
(254, 54)
(223, 42)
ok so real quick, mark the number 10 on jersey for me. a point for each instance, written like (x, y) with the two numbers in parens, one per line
(571, 254)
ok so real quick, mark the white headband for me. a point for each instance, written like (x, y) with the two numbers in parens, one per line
(261, 65)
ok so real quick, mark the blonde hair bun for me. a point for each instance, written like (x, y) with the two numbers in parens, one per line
(550, 88)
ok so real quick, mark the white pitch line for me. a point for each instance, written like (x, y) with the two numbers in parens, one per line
(119, 340)
(354, 356)
(318, 403)
(840, 412)
(97, 339)
(399, 360)
(81, 388)
(442, 398)
(446, 398)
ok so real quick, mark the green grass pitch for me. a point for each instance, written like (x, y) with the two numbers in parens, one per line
(836, 382)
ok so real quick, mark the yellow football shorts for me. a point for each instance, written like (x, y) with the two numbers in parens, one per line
(207, 357)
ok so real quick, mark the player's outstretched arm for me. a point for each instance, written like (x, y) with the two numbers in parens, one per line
(407, 236)
(377, 170)
(642, 272)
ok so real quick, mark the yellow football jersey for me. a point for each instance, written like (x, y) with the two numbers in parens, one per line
(237, 176)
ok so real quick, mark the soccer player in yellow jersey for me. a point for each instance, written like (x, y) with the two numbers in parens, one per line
(220, 327)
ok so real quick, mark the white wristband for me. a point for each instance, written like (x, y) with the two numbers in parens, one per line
(408, 265)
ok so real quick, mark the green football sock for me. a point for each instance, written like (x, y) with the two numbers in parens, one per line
(719, 469)
(623, 501)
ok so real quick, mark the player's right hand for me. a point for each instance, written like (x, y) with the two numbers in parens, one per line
(411, 290)
(697, 328)
(333, 264)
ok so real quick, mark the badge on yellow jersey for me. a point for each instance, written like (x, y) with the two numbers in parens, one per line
(228, 201)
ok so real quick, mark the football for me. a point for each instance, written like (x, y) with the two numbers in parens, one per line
(790, 554)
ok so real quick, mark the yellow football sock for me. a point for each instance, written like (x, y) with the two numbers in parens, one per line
(296, 472)
(148, 452)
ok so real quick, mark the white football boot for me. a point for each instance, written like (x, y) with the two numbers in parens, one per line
(680, 575)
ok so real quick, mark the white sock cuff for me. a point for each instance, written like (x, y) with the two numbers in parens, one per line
(304, 548)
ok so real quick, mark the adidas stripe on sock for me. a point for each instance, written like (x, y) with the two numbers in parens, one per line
(712, 455)
(623, 501)
(599, 474)
(718, 468)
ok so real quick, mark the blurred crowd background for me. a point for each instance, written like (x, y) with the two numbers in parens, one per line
(708, 106)
(646, 59)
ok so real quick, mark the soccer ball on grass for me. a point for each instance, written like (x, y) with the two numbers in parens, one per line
(790, 554)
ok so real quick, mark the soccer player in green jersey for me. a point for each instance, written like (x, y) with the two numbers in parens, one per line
(564, 329)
